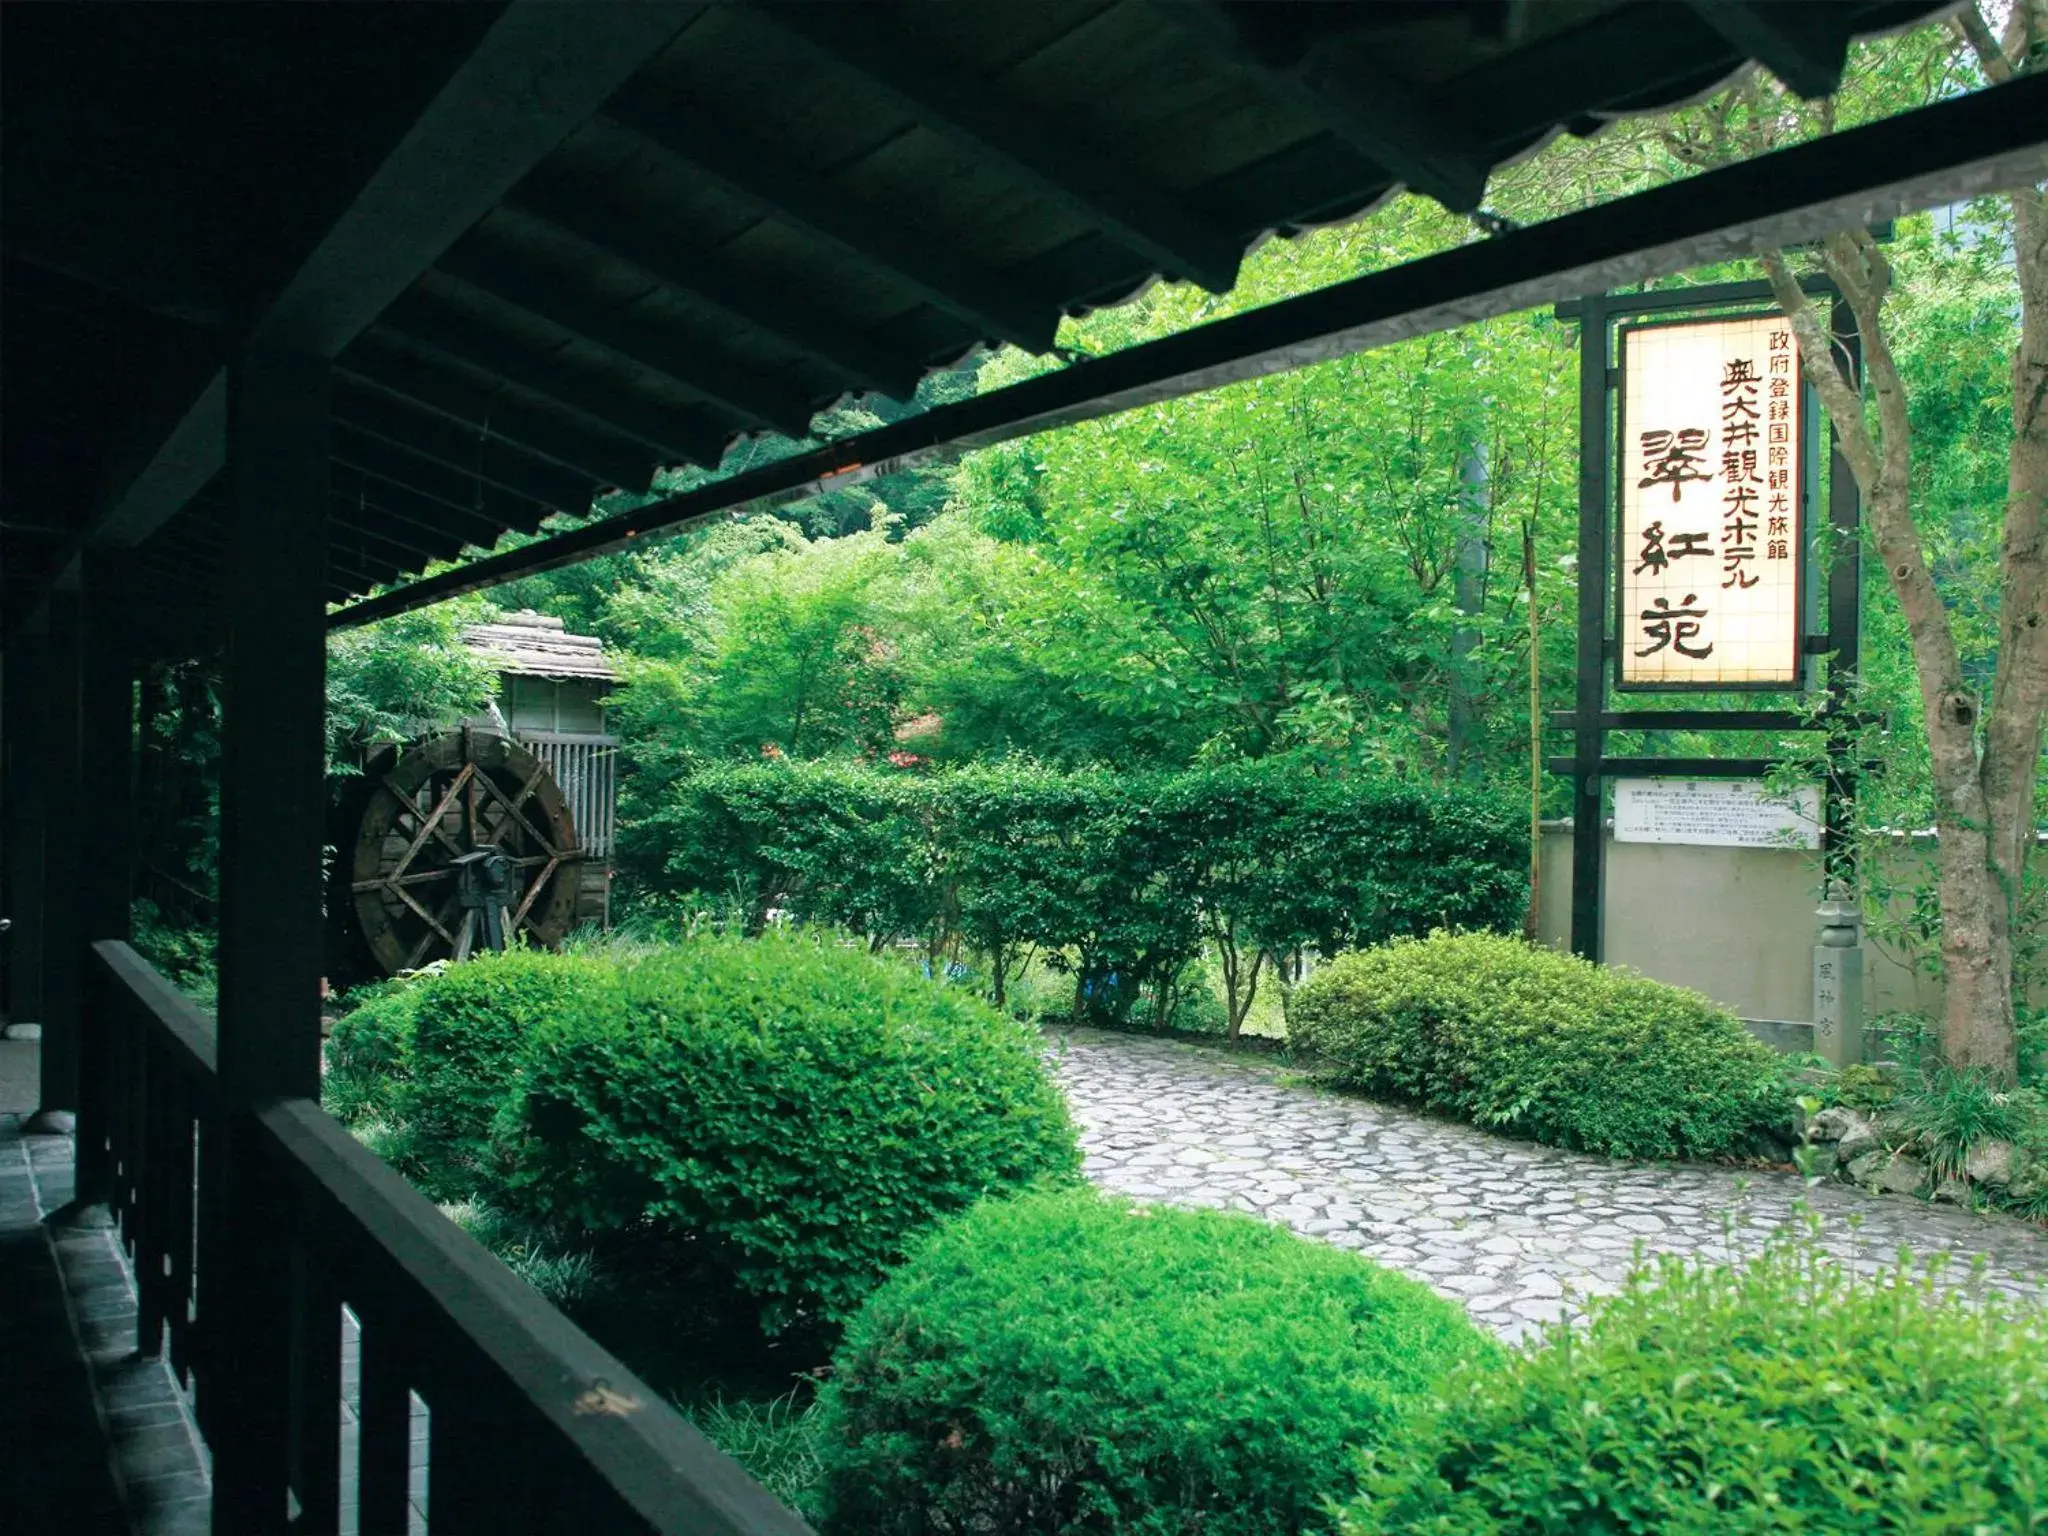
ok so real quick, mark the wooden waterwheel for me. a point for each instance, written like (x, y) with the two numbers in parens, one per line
(460, 842)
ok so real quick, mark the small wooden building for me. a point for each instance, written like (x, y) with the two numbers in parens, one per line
(551, 691)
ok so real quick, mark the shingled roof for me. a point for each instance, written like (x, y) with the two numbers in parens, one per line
(529, 644)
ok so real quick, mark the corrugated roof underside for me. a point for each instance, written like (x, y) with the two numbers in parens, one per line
(792, 203)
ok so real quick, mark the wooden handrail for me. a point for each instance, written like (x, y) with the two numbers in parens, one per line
(181, 1021)
(533, 1425)
(659, 1464)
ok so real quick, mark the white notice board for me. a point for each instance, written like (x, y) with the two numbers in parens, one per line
(1717, 813)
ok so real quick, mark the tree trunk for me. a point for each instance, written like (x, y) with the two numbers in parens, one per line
(1468, 579)
(1982, 764)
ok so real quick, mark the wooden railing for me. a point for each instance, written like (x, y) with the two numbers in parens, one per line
(262, 1235)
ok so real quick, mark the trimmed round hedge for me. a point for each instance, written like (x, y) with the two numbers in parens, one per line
(1069, 1362)
(1779, 1396)
(803, 1109)
(1536, 1043)
(434, 1058)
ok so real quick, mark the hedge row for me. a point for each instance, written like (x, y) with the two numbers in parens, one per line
(1120, 876)
(796, 1111)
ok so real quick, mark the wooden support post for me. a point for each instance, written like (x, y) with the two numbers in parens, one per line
(1589, 740)
(1845, 626)
(63, 932)
(272, 827)
(21, 800)
(106, 835)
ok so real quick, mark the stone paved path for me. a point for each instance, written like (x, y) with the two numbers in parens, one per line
(1509, 1228)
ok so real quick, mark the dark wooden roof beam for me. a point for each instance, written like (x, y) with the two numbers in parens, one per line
(733, 389)
(537, 75)
(605, 457)
(1339, 82)
(946, 98)
(472, 450)
(988, 302)
(1423, 145)
(384, 539)
(459, 504)
(1802, 45)
(672, 434)
(789, 317)
(404, 539)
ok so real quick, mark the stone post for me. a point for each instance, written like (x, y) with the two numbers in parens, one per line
(1838, 978)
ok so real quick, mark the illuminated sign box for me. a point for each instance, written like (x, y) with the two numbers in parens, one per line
(1712, 554)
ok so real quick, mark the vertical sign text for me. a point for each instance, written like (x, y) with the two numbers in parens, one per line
(1711, 537)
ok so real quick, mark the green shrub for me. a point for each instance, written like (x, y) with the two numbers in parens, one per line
(800, 1107)
(471, 1024)
(1536, 1043)
(1068, 1362)
(1779, 1396)
(369, 1054)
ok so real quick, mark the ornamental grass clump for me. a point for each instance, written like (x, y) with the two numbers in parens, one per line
(795, 1109)
(1783, 1394)
(1528, 1041)
(1069, 1362)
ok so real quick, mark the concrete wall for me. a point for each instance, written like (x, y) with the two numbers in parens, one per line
(1734, 923)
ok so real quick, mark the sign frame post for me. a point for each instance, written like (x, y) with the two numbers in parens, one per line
(1590, 720)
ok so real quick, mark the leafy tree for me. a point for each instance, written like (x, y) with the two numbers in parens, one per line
(1983, 732)
(402, 677)
(1270, 567)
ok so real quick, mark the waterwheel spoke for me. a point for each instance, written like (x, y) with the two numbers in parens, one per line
(393, 882)
(433, 922)
(513, 812)
(432, 825)
(533, 890)
(436, 928)
(420, 817)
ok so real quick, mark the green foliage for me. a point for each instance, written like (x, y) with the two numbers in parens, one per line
(1069, 1362)
(1540, 1044)
(1948, 1113)
(369, 1056)
(776, 1441)
(1267, 568)
(1112, 877)
(431, 1058)
(471, 1029)
(800, 1109)
(1866, 1089)
(404, 677)
(837, 842)
(1784, 1395)
(185, 956)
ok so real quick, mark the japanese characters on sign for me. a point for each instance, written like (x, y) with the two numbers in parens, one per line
(1712, 543)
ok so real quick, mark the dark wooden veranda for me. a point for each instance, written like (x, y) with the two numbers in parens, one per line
(298, 300)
